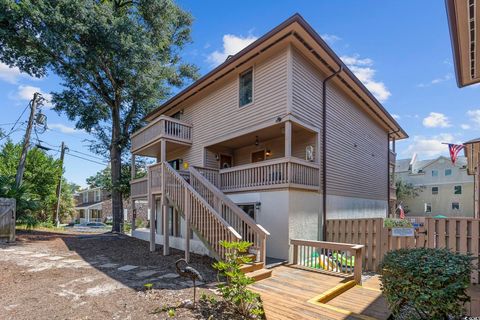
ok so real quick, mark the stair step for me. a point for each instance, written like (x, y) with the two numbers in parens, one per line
(259, 274)
(250, 267)
(252, 257)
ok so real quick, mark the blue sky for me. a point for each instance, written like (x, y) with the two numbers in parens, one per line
(400, 49)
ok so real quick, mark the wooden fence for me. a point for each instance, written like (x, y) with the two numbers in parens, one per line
(7, 219)
(457, 234)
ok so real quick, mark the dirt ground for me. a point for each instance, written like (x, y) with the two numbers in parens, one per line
(101, 276)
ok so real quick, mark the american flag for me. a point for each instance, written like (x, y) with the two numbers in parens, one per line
(454, 150)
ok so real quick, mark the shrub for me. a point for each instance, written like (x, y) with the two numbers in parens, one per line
(396, 223)
(432, 282)
(28, 220)
(235, 291)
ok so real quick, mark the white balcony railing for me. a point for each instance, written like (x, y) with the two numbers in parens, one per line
(162, 127)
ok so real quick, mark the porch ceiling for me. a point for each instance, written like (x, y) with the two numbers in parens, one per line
(264, 134)
(153, 150)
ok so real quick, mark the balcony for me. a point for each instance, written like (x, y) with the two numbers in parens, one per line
(146, 141)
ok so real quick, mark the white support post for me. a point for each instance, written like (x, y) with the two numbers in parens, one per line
(152, 211)
(187, 226)
(288, 139)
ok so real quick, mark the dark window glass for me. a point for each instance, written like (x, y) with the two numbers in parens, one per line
(246, 88)
(457, 190)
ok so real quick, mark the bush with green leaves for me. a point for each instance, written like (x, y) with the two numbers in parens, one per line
(235, 291)
(28, 221)
(396, 223)
(430, 282)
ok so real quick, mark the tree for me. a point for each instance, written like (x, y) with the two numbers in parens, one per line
(103, 179)
(117, 60)
(37, 194)
(405, 191)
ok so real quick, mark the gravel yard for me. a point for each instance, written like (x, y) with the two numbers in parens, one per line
(77, 276)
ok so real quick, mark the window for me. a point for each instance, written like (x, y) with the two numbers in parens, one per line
(455, 206)
(434, 173)
(249, 209)
(85, 197)
(448, 172)
(258, 156)
(428, 207)
(246, 88)
(434, 190)
(97, 195)
(457, 190)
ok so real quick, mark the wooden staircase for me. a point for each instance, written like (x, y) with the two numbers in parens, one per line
(214, 217)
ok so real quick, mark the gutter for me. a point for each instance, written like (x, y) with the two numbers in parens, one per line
(324, 149)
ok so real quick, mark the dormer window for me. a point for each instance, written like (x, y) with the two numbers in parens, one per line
(246, 88)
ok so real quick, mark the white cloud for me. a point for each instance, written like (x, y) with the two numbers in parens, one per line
(231, 45)
(330, 38)
(362, 68)
(395, 116)
(436, 81)
(26, 93)
(436, 120)
(474, 116)
(430, 146)
(63, 128)
(465, 126)
(8, 74)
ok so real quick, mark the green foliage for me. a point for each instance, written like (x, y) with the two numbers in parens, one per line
(117, 60)
(148, 286)
(171, 312)
(28, 221)
(37, 194)
(235, 290)
(405, 191)
(432, 282)
(103, 179)
(396, 223)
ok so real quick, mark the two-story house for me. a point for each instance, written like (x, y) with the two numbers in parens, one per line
(265, 148)
(444, 188)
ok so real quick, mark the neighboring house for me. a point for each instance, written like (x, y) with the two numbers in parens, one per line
(463, 25)
(447, 189)
(95, 205)
(255, 149)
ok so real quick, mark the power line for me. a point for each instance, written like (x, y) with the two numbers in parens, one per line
(88, 155)
(86, 159)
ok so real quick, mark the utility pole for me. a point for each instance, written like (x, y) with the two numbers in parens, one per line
(21, 165)
(59, 186)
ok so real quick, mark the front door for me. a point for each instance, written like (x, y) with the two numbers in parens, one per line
(226, 161)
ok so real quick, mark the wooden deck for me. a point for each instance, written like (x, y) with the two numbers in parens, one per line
(285, 296)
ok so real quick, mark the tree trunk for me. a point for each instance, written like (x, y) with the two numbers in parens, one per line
(116, 166)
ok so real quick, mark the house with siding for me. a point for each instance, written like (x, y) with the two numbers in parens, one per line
(265, 148)
(444, 188)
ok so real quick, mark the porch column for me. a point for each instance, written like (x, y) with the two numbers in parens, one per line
(166, 233)
(134, 214)
(152, 212)
(88, 215)
(187, 226)
(163, 150)
(288, 139)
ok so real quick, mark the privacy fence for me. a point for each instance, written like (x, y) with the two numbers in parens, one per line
(457, 234)
(7, 219)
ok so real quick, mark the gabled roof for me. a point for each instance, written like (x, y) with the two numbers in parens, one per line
(404, 164)
(297, 30)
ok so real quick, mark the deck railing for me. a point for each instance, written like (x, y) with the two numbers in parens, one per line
(162, 127)
(329, 257)
(212, 175)
(276, 173)
(155, 177)
(231, 213)
(139, 188)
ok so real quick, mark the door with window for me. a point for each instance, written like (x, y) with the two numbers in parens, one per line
(258, 156)
(176, 164)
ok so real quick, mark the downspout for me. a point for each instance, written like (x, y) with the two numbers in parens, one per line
(324, 150)
(389, 209)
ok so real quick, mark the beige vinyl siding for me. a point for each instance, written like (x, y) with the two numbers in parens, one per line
(300, 141)
(217, 112)
(276, 147)
(357, 150)
(352, 171)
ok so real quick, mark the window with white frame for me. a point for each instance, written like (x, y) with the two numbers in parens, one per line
(448, 172)
(434, 190)
(85, 197)
(246, 88)
(434, 173)
(97, 195)
(455, 205)
(428, 207)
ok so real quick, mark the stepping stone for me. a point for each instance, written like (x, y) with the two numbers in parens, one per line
(7, 250)
(127, 268)
(22, 252)
(169, 276)
(147, 273)
(55, 258)
(72, 260)
(109, 265)
(40, 255)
